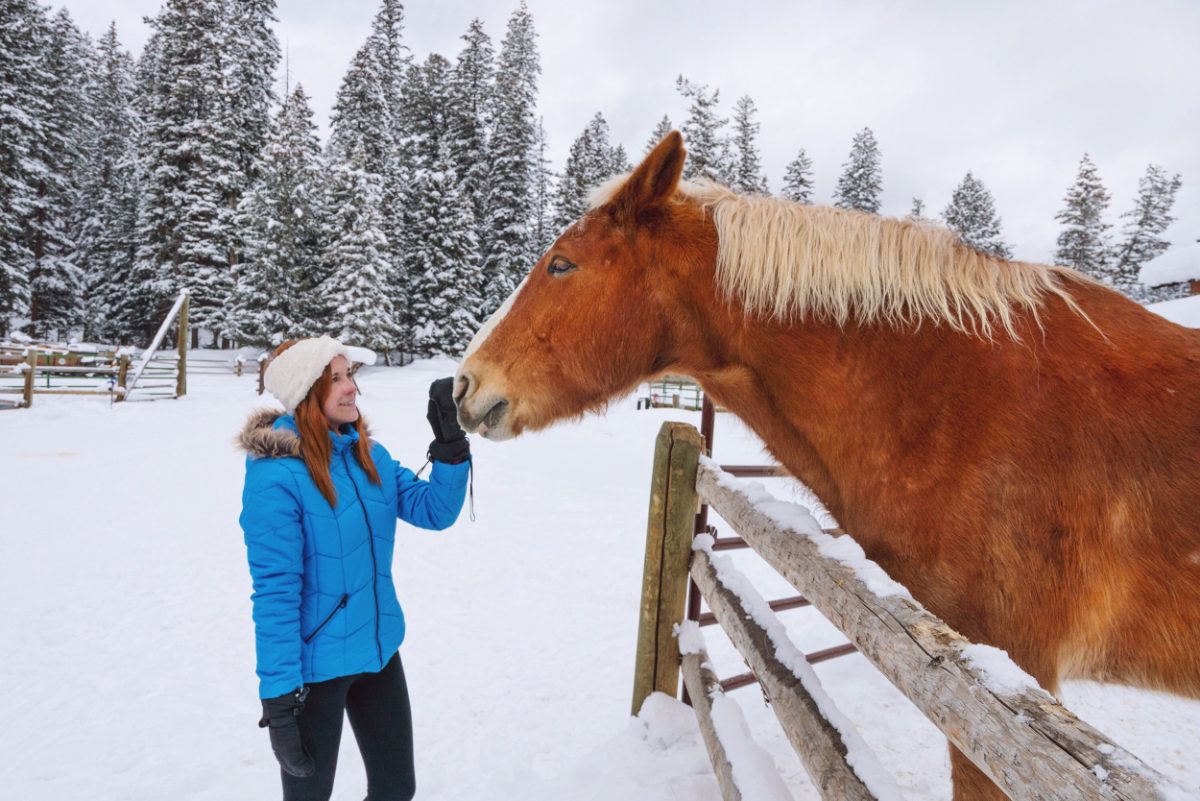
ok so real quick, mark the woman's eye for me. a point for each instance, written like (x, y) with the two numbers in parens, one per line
(559, 265)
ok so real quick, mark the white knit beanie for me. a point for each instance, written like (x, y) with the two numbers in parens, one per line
(291, 374)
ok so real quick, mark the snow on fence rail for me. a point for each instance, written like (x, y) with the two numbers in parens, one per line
(1014, 731)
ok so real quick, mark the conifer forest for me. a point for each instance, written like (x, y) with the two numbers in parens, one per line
(124, 179)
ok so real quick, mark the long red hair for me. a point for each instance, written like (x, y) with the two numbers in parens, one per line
(315, 447)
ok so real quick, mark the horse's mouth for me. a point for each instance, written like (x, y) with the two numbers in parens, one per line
(490, 425)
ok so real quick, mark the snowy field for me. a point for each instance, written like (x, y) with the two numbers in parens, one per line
(128, 669)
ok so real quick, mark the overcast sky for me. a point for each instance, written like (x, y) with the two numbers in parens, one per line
(1015, 91)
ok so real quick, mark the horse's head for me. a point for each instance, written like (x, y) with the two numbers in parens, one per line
(590, 320)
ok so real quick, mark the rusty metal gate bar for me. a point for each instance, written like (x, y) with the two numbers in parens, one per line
(707, 424)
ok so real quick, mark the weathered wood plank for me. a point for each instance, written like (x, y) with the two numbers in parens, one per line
(1027, 742)
(668, 551)
(701, 683)
(816, 741)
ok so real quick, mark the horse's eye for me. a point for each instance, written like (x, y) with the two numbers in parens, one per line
(559, 265)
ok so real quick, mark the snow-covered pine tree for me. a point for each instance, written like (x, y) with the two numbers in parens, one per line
(472, 84)
(187, 227)
(971, 214)
(620, 163)
(1141, 236)
(427, 123)
(23, 108)
(861, 182)
(355, 257)
(591, 161)
(703, 131)
(55, 282)
(1083, 241)
(748, 175)
(509, 249)
(252, 53)
(280, 277)
(107, 239)
(798, 179)
(393, 58)
(443, 276)
(659, 133)
(544, 186)
(917, 212)
(362, 127)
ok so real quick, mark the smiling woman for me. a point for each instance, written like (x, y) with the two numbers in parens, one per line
(319, 513)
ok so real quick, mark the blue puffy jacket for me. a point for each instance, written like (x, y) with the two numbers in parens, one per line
(324, 602)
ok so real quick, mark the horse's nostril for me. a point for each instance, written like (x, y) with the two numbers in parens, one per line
(461, 387)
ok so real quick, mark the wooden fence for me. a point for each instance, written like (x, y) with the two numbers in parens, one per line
(1015, 732)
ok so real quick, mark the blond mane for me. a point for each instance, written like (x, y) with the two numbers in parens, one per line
(785, 260)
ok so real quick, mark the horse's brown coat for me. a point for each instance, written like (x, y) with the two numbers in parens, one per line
(1039, 494)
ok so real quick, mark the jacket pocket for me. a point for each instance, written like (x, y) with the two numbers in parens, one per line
(341, 605)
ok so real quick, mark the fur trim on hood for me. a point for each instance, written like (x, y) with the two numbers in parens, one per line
(259, 438)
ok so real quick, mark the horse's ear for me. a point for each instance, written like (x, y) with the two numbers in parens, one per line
(654, 180)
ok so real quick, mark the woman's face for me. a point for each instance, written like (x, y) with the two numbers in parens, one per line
(341, 403)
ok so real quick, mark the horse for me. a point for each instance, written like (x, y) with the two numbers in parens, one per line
(1015, 443)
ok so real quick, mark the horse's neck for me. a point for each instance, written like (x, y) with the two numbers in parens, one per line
(847, 410)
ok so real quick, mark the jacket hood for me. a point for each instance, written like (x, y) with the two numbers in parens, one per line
(272, 433)
(260, 438)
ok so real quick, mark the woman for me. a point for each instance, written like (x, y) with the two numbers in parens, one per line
(319, 514)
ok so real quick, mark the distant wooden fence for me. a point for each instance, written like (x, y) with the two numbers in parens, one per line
(1015, 732)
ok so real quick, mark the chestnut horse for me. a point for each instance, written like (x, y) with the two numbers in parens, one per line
(1015, 443)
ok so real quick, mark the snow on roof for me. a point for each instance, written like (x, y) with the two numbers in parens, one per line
(1185, 311)
(1173, 267)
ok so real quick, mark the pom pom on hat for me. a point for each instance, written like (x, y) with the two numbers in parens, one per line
(291, 374)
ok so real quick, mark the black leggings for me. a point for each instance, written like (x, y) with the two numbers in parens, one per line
(377, 705)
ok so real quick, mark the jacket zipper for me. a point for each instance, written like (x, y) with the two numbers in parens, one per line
(341, 605)
(374, 564)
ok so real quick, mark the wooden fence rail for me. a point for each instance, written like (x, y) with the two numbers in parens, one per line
(1018, 734)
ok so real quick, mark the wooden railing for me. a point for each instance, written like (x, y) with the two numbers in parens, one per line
(1014, 731)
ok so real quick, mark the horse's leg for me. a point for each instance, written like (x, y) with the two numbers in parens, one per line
(970, 783)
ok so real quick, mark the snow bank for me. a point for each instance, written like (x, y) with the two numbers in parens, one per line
(1173, 267)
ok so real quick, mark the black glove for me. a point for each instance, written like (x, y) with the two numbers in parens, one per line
(449, 440)
(280, 715)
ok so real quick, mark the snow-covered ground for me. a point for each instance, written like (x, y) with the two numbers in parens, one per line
(128, 665)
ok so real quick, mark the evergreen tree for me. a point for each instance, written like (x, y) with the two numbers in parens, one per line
(509, 249)
(972, 215)
(281, 275)
(107, 239)
(917, 212)
(472, 85)
(191, 176)
(1142, 234)
(798, 179)
(1083, 242)
(426, 109)
(22, 111)
(355, 258)
(592, 160)
(55, 216)
(252, 55)
(748, 176)
(620, 161)
(861, 182)
(707, 149)
(660, 132)
(544, 232)
(444, 278)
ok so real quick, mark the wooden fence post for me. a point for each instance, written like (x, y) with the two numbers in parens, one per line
(122, 375)
(30, 369)
(668, 554)
(181, 368)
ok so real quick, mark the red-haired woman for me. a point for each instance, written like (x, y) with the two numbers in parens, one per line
(319, 514)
